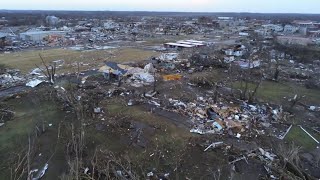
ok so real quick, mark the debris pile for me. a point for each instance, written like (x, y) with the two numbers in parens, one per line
(217, 118)
(8, 80)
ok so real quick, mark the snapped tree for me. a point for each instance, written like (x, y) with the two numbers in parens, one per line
(50, 70)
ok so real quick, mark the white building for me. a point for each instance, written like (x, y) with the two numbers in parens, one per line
(262, 32)
(37, 36)
(185, 44)
(273, 27)
(243, 34)
(289, 29)
(225, 18)
(303, 31)
(231, 52)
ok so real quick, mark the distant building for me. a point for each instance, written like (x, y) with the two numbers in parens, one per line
(303, 31)
(273, 27)
(225, 18)
(177, 45)
(262, 32)
(289, 29)
(232, 52)
(243, 34)
(238, 50)
(52, 20)
(37, 36)
(184, 44)
(314, 34)
(307, 24)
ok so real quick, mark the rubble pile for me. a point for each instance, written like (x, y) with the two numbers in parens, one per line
(11, 77)
(7, 80)
(218, 85)
(209, 117)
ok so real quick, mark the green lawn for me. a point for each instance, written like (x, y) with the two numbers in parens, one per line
(300, 138)
(14, 134)
(26, 60)
(275, 92)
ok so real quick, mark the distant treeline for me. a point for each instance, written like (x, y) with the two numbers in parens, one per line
(32, 17)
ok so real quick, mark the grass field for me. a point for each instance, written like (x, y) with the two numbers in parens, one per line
(300, 138)
(29, 113)
(26, 60)
(275, 92)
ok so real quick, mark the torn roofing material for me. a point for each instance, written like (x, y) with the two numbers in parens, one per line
(179, 45)
(115, 68)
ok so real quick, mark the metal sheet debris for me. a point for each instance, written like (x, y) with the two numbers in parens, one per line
(34, 83)
(213, 145)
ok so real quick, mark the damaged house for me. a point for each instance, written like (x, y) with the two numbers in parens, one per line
(136, 76)
(112, 70)
(237, 51)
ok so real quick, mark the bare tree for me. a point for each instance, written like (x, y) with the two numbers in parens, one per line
(250, 82)
(75, 148)
(50, 70)
(289, 166)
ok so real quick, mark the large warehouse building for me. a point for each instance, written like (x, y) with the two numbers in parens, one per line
(37, 36)
(185, 44)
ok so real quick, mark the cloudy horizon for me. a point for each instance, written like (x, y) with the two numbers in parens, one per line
(253, 6)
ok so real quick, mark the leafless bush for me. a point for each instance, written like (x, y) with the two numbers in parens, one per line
(107, 166)
(103, 165)
(217, 175)
(288, 165)
(75, 149)
(290, 153)
(20, 167)
(6, 113)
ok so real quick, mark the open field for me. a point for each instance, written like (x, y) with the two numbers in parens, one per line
(159, 136)
(189, 108)
(281, 92)
(300, 138)
(278, 91)
(30, 113)
(25, 61)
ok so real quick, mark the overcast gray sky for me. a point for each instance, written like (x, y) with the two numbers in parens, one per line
(268, 6)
